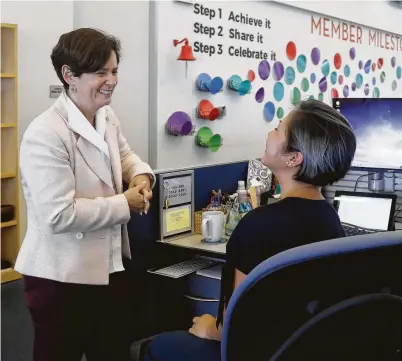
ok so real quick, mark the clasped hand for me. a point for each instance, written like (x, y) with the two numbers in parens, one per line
(139, 194)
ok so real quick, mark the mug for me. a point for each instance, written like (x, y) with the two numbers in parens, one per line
(212, 226)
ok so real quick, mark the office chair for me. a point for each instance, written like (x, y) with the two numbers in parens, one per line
(309, 301)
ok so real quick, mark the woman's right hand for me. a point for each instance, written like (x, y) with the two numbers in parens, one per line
(136, 200)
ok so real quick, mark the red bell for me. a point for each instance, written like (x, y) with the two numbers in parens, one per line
(186, 53)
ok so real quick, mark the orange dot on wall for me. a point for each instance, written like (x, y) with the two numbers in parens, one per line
(337, 61)
(291, 50)
(251, 75)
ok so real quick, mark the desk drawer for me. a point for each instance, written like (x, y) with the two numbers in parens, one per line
(199, 306)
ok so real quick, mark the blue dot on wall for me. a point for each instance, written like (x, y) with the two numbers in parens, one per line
(346, 70)
(367, 66)
(359, 81)
(301, 63)
(313, 78)
(290, 75)
(269, 111)
(374, 81)
(399, 72)
(334, 78)
(279, 91)
(325, 67)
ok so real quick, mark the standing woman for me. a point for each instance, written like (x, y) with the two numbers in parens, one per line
(73, 161)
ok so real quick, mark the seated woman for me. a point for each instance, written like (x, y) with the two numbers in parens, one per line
(311, 148)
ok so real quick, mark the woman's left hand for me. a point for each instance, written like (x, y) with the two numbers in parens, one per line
(205, 327)
(146, 191)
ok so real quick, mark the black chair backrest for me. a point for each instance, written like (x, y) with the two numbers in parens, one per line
(362, 328)
(287, 290)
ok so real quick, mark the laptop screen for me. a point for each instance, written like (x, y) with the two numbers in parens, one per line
(367, 212)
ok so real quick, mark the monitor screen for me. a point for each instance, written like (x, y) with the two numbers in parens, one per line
(378, 127)
(367, 212)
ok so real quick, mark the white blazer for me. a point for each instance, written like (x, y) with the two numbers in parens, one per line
(73, 211)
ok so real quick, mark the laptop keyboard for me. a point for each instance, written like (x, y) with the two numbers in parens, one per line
(352, 230)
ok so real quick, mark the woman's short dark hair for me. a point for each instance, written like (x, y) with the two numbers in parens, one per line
(84, 50)
(326, 140)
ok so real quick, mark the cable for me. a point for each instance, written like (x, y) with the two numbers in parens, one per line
(362, 176)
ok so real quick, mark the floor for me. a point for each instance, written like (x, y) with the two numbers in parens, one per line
(16, 327)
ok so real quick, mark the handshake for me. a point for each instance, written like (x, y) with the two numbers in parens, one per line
(139, 194)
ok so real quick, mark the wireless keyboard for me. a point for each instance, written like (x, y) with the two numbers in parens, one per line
(184, 268)
(352, 230)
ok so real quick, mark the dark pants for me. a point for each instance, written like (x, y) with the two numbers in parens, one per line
(73, 319)
(182, 346)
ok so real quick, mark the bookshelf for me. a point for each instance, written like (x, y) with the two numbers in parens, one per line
(10, 233)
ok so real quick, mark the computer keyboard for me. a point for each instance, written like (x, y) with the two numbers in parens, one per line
(186, 267)
(352, 230)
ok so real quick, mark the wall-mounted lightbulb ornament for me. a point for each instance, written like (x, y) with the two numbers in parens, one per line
(205, 83)
(235, 83)
(206, 110)
(206, 139)
(179, 124)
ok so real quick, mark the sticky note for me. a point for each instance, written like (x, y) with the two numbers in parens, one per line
(177, 219)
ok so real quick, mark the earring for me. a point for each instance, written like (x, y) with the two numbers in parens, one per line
(289, 163)
(73, 89)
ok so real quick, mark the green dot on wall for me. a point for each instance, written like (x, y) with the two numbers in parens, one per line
(305, 84)
(280, 113)
(376, 92)
(321, 97)
(296, 96)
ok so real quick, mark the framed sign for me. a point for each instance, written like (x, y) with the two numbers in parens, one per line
(176, 203)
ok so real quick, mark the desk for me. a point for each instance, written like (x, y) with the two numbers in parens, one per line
(194, 242)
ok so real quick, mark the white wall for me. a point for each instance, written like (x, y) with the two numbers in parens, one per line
(129, 21)
(380, 14)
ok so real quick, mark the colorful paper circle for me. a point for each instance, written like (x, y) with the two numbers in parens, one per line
(264, 69)
(305, 85)
(315, 56)
(323, 85)
(337, 61)
(346, 70)
(278, 71)
(259, 96)
(399, 72)
(269, 111)
(251, 75)
(290, 75)
(312, 78)
(334, 78)
(295, 96)
(367, 66)
(280, 113)
(279, 91)
(352, 53)
(291, 50)
(325, 67)
(301, 63)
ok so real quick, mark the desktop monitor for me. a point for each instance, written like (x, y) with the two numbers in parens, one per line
(377, 123)
(367, 210)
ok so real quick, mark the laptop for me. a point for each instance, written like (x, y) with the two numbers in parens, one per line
(362, 213)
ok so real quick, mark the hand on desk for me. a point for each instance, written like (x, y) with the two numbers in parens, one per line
(205, 327)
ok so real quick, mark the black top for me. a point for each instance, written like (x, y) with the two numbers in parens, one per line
(272, 229)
